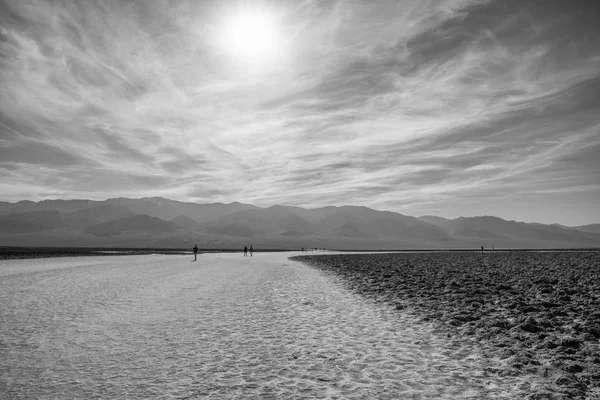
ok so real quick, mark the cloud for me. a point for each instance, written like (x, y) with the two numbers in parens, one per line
(36, 153)
(404, 105)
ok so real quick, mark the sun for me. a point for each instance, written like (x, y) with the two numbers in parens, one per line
(251, 34)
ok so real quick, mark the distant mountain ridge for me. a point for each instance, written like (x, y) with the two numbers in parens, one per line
(592, 228)
(160, 222)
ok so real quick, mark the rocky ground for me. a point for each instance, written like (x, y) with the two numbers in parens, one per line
(538, 312)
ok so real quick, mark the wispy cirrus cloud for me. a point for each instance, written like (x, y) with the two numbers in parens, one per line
(450, 107)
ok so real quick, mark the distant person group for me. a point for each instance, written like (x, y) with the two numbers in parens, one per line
(482, 249)
(195, 249)
(307, 249)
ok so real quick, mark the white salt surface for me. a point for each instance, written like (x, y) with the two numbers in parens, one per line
(224, 327)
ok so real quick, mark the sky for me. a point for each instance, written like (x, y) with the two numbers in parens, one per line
(446, 107)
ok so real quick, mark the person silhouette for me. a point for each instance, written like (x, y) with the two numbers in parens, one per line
(245, 251)
(251, 250)
(195, 252)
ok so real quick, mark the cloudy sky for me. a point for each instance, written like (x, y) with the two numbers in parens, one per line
(444, 107)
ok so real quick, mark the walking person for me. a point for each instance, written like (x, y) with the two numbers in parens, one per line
(195, 252)
(251, 250)
(245, 251)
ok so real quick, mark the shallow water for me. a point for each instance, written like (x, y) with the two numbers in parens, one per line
(226, 326)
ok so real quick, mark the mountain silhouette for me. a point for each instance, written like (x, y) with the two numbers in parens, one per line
(494, 231)
(592, 228)
(32, 221)
(185, 222)
(136, 224)
(160, 222)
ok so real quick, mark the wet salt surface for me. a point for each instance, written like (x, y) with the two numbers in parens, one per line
(226, 326)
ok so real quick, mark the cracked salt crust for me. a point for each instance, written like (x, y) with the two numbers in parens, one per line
(226, 326)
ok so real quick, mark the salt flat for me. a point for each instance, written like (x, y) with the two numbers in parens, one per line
(224, 327)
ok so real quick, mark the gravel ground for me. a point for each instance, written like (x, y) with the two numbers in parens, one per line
(225, 327)
(537, 313)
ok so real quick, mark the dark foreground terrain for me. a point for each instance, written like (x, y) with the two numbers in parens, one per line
(539, 312)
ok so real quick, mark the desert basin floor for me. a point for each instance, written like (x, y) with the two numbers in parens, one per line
(224, 327)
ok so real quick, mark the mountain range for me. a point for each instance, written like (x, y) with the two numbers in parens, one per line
(160, 222)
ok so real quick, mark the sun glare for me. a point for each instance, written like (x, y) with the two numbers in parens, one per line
(251, 35)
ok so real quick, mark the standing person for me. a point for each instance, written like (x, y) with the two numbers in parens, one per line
(245, 251)
(482, 249)
(251, 250)
(195, 252)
